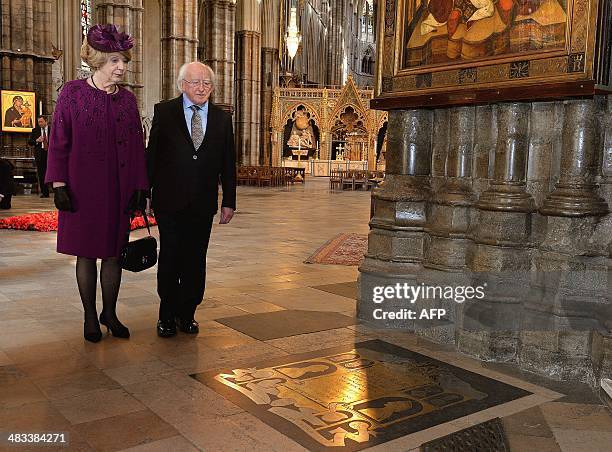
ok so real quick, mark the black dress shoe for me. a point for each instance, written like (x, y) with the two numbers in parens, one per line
(188, 326)
(114, 326)
(44, 195)
(166, 328)
(91, 331)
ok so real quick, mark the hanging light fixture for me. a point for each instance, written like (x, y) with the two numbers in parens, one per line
(292, 37)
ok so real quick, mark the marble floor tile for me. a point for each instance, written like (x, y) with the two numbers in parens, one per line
(128, 430)
(20, 392)
(583, 440)
(172, 444)
(574, 416)
(81, 383)
(97, 405)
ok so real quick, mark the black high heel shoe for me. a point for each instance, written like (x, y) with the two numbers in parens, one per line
(90, 334)
(116, 328)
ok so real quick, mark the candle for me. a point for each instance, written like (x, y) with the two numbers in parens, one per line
(40, 108)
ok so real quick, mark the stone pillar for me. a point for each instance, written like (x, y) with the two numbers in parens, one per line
(501, 254)
(216, 47)
(127, 16)
(574, 194)
(395, 243)
(25, 56)
(570, 297)
(248, 71)
(335, 50)
(269, 72)
(270, 69)
(179, 41)
(448, 216)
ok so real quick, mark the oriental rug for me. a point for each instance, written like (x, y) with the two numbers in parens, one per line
(47, 221)
(344, 249)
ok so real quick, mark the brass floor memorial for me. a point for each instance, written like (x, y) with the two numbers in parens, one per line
(353, 398)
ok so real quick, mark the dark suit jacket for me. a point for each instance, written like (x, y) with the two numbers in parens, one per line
(7, 184)
(36, 132)
(177, 179)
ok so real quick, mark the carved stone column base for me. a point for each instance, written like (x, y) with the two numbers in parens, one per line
(510, 229)
(574, 201)
(396, 245)
(377, 273)
(446, 241)
(506, 197)
(569, 236)
(498, 346)
(560, 355)
(445, 253)
(396, 187)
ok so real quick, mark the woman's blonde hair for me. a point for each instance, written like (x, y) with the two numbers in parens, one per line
(96, 59)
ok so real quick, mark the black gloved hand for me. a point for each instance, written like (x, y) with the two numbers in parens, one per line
(61, 198)
(138, 202)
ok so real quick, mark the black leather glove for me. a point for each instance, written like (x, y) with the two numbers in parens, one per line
(138, 202)
(61, 198)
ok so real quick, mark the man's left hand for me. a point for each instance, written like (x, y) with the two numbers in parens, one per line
(226, 215)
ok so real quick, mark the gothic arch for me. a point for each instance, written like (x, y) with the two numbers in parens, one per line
(340, 109)
(292, 109)
(349, 117)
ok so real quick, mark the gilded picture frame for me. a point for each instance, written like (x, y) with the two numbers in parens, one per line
(18, 110)
(438, 52)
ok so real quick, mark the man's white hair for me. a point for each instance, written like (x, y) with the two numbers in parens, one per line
(183, 69)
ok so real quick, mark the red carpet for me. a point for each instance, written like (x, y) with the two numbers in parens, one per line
(47, 221)
(344, 249)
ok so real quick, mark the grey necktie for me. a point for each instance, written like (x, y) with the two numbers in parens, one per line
(197, 134)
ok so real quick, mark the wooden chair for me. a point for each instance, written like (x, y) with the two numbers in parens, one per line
(264, 176)
(242, 175)
(253, 175)
(348, 180)
(335, 179)
(360, 179)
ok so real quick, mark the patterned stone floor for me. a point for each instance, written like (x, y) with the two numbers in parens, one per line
(137, 394)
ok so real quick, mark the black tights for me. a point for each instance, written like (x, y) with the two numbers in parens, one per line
(110, 280)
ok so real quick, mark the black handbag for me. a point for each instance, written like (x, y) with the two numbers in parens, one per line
(140, 254)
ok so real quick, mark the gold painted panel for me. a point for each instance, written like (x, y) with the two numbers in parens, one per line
(454, 45)
(354, 398)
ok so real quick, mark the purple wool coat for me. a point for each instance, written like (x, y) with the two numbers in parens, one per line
(96, 147)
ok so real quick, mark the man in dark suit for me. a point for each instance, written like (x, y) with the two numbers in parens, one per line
(191, 149)
(39, 138)
(7, 184)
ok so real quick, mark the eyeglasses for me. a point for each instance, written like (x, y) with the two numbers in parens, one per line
(204, 83)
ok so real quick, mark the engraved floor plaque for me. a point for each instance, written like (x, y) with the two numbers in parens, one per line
(352, 398)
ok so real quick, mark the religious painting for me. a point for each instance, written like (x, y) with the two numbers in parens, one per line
(444, 31)
(448, 52)
(354, 397)
(18, 110)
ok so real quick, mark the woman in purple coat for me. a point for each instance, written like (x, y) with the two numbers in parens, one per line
(96, 163)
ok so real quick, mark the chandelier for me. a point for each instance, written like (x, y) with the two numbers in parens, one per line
(293, 37)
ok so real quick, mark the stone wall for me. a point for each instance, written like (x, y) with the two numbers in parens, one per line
(25, 56)
(513, 198)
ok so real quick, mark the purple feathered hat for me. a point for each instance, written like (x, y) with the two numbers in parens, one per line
(106, 38)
